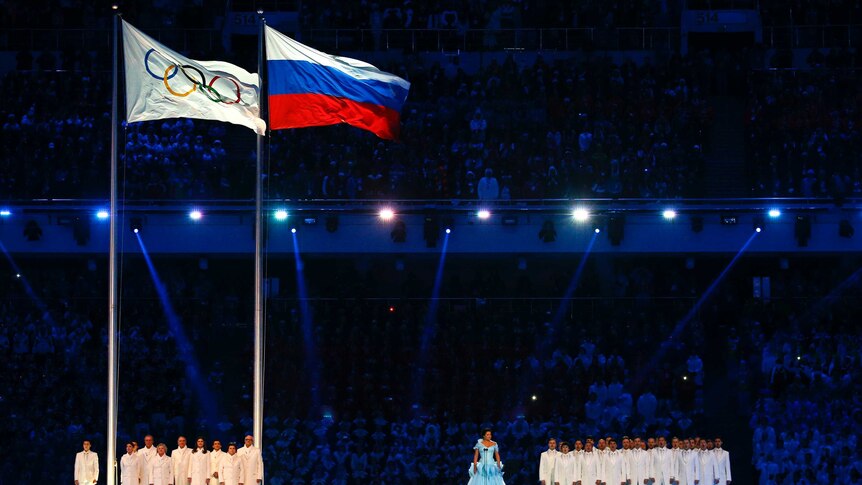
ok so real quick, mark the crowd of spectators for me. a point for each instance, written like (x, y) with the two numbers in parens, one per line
(550, 129)
(495, 14)
(371, 389)
(802, 129)
(806, 423)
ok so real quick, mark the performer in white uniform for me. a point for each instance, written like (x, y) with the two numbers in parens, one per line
(547, 463)
(708, 465)
(130, 467)
(86, 466)
(199, 465)
(616, 467)
(230, 472)
(662, 463)
(640, 464)
(161, 469)
(722, 458)
(180, 458)
(565, 466)
(216, 456)
(578, 455)
(252, 462)
(689, 466)
(147, 453)
(591, 472)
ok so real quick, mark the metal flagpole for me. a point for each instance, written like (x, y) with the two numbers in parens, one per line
(259, 317)
(111, 454)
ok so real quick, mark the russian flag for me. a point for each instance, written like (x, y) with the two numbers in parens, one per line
(310, 88)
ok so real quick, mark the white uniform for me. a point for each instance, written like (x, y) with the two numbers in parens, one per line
(231, 472)
(640, 469)
(564, 470)
(252, 464)
(662, 464)
(146, 455)
(130, 469)
(578, 464)
(215, 464)
(161, 470)
(180, 458)
(199, 467)
(592, 468)
(547, 463)
(616, 468)
(603, 455)
(628, 457)
(722, 459)
(689, 467)
(86, 467)
(708, 467)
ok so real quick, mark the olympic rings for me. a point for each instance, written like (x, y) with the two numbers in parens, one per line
(238, 96)
(147, 66)
(207, 89)
(168, 86)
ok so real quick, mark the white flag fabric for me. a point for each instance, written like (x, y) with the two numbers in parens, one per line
(160, 83)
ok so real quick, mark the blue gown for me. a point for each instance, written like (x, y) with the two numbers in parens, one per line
(487, 472)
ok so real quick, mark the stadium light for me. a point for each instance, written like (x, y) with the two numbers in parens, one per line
(669, 214)
(483, 214)
(102, 215)
(774, 213)
(195, 215)
(280, 215)
(580, 214)
(387, 214)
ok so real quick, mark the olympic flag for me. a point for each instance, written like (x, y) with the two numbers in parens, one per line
(160, 83)
(311, 88)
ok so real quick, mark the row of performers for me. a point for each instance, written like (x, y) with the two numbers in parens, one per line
(651, 462)
(151, 465)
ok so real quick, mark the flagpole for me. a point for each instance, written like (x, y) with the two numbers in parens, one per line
(113, 370)
(259, 317)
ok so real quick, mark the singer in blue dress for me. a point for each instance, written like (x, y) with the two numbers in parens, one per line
(486, 468)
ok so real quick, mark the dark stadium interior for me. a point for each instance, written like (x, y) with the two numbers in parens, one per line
(385, 357)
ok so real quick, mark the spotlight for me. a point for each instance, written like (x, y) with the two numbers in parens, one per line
(387, 214)
(548, 233)
(5, 213)
(669, 214)
(195, 215)
(802, 230)
(17, 275)
(136, 224)
(845, 229)
(483, 214)
(102, 215)
(580, 214)
(758, 223)
(399, 232)
(448, 231)
(534, 397)
(280, 215)
(774, 213)
(616, 229)
(293, 230)
(598, 230)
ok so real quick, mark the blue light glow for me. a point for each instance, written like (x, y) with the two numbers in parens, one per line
(773, 213)
(280, 215)
(195, 215)
(102, 215)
